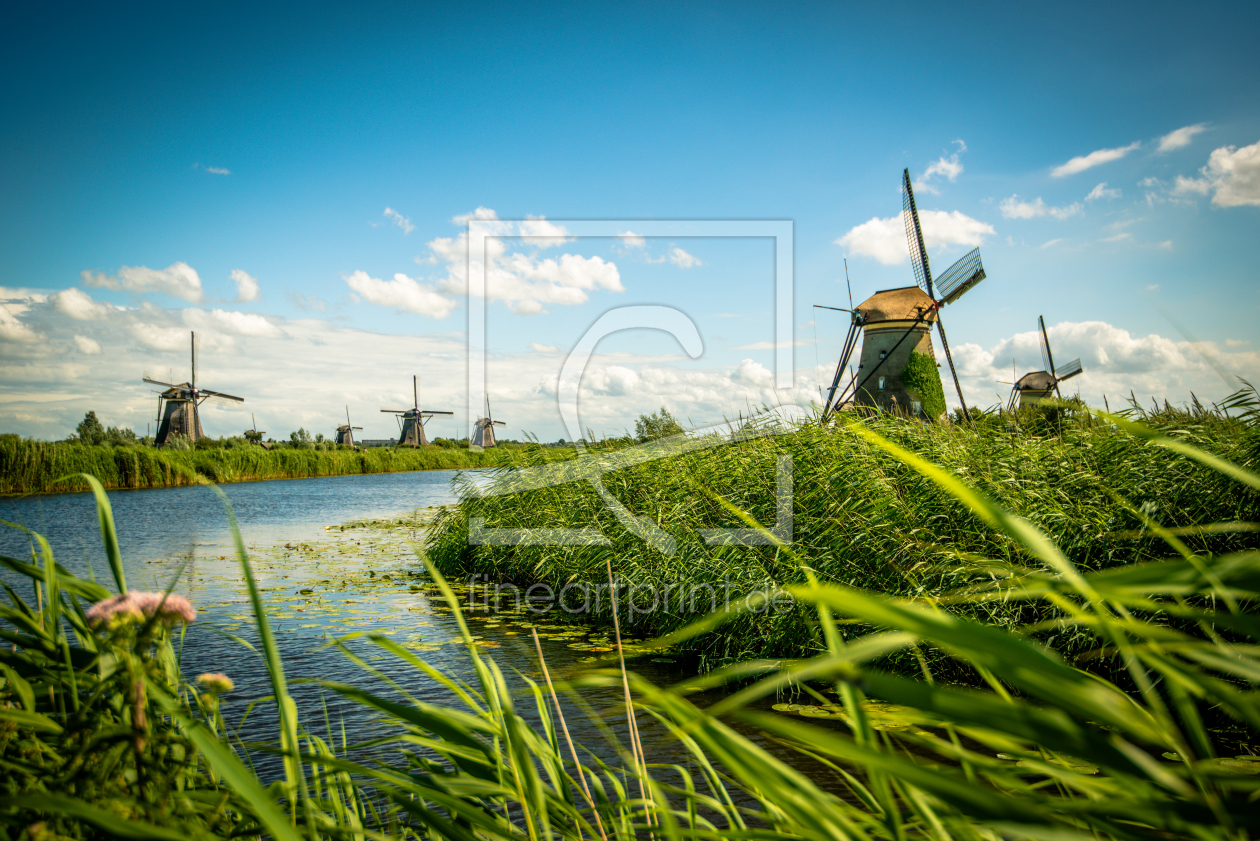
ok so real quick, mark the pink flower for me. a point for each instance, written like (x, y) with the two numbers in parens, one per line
(170, 609)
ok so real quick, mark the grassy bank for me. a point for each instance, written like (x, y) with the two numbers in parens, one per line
(35, 466)
(101, 736)
(863, 517)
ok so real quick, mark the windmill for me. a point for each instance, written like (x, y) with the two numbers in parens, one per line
(177, 406)
(345, 433)
(896, 324)
(483, 429)
(412, 420)
(252, 434)
(1037, 385)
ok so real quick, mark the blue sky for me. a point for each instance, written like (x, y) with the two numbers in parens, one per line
(305, 147)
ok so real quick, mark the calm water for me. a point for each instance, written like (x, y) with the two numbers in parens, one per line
(320, 582)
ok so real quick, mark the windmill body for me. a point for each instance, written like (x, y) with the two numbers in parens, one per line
(1036, 386)
(898, 324)
(413, 419)
(178, 405)
(483, 429)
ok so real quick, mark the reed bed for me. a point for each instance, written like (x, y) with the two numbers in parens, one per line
(100, 736)
(861, 517)
(40, 467)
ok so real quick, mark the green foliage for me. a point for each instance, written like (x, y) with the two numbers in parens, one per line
(90, 430)
(923, 378)
(301, 439)
(1151, 736)
(659, 425)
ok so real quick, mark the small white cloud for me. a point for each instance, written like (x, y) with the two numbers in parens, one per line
(1102, 191)
(86, 346)
(79, 305)
(682, 259)
(1166, 245)
(12, 328)
(540, 233)
(403, 293)
(1183, 186)
(246, 285)
(885, 239)
(541, 348)
(1052, 243)
(1013, 208)
(1235, 175)
(177, 279)
(1237, 342)
(632, 240)
(1151, 287)
(309, 303)
(1120, 237)
(218, 170)
(1093, 159)
(232, 323)
(1181, 137)
(399, 220)
(949, 167)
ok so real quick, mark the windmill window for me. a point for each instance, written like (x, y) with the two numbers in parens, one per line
(883, 353)
(881, 382)
(916, 407)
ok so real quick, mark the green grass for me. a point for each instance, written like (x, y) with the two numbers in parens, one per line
(863, 517)
(1048, 746)
(35, 466)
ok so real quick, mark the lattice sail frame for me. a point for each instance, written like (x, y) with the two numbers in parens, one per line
(914, 235)
(966, 272)
(1047, 361)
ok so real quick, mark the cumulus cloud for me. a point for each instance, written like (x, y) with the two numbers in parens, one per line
(885, 239)
(13, 329)
(1102, 191)
(246, 285)
(682, 259)
(79, 305)
(232, 323)
(1232, 175)
(178, 279)
(86, 346)
(632, 240)
(403, 293)
(1181, 137)
(399, 220)
(1014, 208)
(949, 167)
(540, 233)
(1093, 159)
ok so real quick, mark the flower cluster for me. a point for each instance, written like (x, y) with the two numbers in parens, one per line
(216, 683)
(170, 609)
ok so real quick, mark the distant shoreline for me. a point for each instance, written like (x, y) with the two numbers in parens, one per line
(34, 467)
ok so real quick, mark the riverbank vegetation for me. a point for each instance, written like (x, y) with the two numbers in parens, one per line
(1145, 726)
(861, 516)
(37, 466)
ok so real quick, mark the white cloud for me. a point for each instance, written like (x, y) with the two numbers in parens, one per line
(13, 329)
(79, 305)
(543, 234)
(1102, 191)
(632, 240)
(885, 239)
(399, 220)
(682, 259)
(772, 345)
(232, 323)
(1183, 186)
(309, 303)
(541, 348)
(1093, 159)
(246, 285)
(1181, 137)
(1013, 208)
(949, 167)
(177, 279)
(402, 293)
(86, 346)
(1234, 175)
(218, 170)
(1051, 243)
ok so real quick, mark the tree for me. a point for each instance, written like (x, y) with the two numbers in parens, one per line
(301, 440)
(659, 425)
(90, 430)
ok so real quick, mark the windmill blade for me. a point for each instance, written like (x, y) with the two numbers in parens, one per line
(955, 281)
(429, 412)
(152, 381)
(193, 382)
(221, 396)
(914, 235)
(357, 427)
(1047, 360)
(498, 423)
(396, 411)
(1069, 370)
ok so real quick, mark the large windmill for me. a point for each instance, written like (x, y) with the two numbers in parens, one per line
(412, 420)
(345, 433)
(483, 429)
(1037, 385)
(177, 406)
(896, 324)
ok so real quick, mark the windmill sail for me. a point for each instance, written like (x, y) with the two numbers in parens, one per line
(1047, 359)
(1069, 370)
(914, 234)
(960, 277)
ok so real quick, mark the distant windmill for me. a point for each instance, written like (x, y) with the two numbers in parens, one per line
(483, 429)
(412, 420)
(177, 406)
(252, 434)
(345, 434)
(1037, 385)
(896, 323)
